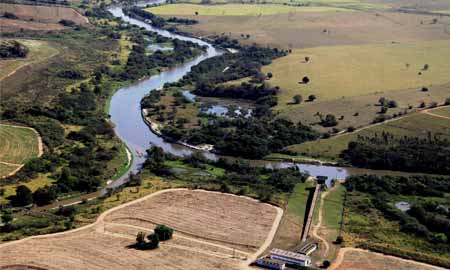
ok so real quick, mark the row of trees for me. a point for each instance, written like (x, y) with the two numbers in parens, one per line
(430, 154)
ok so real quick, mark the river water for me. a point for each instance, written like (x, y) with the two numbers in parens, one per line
(125, 111)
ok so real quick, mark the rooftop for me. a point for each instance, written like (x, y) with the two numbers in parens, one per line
(290, 254)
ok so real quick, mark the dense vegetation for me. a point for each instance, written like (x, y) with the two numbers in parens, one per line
(385, 151)
(235, 176)
(12, 49)
(426, 224)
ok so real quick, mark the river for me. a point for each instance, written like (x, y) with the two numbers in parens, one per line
(125, 111)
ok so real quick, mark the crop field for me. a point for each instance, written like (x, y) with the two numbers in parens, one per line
(417, 124)
(105, 244)
(8, 25)
(38, 51)
(362, 260)
(43, 14)
(17, 145)
(346, 71)
(233, 9)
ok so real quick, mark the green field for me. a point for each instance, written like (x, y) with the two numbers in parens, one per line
(39, 51)
(418, 124)
(17, 144)
(442, 111)
(332, 208)
(233, 9)
(346, 71)
(40, 181)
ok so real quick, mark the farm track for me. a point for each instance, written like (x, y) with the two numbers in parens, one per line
(428, 111)
(315, 231)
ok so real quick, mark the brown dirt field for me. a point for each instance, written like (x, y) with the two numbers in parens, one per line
(302, 30)
(234, 220)
(44, 14)
(104, 244)
(365, 260)
(8, 25)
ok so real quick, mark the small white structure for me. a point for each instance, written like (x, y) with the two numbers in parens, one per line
(271, 263)
(290, 257)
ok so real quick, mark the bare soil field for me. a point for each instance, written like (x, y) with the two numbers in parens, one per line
(43, 14)
(323, 28)
(105, 244)
(355, 259)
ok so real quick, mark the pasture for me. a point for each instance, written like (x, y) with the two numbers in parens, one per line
(417, 124)
(233, 9)
(18, 144)
(38, 51)
(325, 27)
(346, 71)
(219, 235)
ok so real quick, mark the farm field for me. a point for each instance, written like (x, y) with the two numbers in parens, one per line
(417, 124)
(8, 25)
(39, 51)
(307, 29)
(17, 145)
(445, 112)
(345, 71)
(233, 9)
(43, 14)
(105, 244)
(357, 259)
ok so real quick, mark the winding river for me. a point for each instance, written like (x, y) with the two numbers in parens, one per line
(125, 110)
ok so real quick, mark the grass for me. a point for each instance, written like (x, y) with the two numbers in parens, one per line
(17, 144)
(332, 207)
(233, 9)
(6, 169)
(346, 71)
(41, 181)
(38, 51)
(442, 111)
(417, 124)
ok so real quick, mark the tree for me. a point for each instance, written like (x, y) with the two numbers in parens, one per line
(140, 240)
(297, 99)
(424, 89)
(392, 104)
(329, 121)
(382, 101)
(163, 232)
(154, 241)
(45, 195)
(439, 238)
(326, 264)
(383, 109)
(306, 59)
(312, 98)
(447, 101)
(305, 80)
(23, 196)
(426, 67)
(269, 75)
(6, 216)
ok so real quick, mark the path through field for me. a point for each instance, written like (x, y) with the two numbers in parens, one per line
(428, 111)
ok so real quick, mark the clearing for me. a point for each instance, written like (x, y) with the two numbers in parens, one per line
(17, 145)
(38, 51)
(219, 235)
